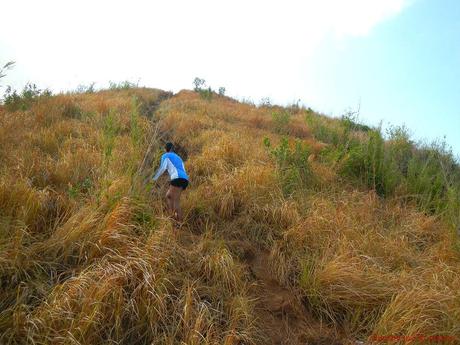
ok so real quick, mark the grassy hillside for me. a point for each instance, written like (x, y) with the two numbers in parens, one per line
(299, 229)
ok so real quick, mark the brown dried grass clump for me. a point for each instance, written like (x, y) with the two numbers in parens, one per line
(354, 254)
(424, 309)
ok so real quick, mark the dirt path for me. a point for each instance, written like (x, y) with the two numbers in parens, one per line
(278, 311)
(283, 319)
(281, 316)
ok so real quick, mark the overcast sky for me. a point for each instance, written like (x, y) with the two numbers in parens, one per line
(398, 59)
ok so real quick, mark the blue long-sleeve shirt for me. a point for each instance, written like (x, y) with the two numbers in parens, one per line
(173, 164)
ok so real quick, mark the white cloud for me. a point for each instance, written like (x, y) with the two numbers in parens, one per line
(255, 47)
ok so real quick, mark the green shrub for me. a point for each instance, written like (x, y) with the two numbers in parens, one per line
(123, 85)
(265, 102)
(293, 169)
(425, 183)
(206, 93)
(328, 133)
(281, 121)
(87, 88)
(351, 122)
(433, 179)
(337, 133)
(370, 163)
(400, 147)
(14, 101)
(428, 175)
(198, 84)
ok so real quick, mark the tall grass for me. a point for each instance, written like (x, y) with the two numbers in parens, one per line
(426, 174)
(294, 170)
(355, 227)
(91, 260)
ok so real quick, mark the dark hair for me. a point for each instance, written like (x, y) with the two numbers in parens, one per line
(169, 147)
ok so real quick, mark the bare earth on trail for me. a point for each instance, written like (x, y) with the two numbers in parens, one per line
(283, 318)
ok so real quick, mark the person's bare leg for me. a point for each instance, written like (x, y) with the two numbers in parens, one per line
(170, 200)
(180, 215)
(175, 193)
(171, 197)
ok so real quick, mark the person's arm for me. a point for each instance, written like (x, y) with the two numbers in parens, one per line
(161, 169)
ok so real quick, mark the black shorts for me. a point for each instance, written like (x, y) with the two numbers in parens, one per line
(179, 182)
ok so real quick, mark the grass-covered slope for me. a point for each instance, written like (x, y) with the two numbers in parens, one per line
(299, 229)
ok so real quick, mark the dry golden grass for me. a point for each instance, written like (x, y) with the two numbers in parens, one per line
(88, 255)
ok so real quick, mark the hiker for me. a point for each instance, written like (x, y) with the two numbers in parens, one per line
(179, 180)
